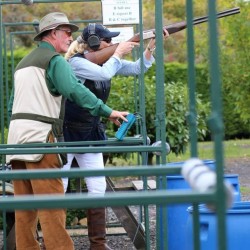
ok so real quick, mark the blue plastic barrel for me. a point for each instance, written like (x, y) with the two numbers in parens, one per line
(237, 227)
(177, 214)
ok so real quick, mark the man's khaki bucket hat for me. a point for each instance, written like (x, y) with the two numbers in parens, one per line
(52, 21)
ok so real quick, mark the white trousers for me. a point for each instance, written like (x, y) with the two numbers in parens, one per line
(95, 185)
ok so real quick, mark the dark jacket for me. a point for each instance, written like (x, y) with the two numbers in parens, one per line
(79, 124)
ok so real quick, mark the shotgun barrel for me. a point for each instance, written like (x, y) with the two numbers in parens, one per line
(221, 14)
(101, 56)
(175, 27)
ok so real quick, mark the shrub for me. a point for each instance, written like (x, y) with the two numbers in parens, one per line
(122, 98)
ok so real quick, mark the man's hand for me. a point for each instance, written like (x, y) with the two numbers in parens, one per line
(116, 115)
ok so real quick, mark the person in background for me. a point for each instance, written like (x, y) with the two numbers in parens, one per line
(81, 125)
(42, 80)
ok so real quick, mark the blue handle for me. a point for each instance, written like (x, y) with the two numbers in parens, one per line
(122, 131)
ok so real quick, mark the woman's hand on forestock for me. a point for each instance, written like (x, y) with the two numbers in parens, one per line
(165, 34)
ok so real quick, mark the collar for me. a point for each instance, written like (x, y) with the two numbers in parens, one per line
(44, 44)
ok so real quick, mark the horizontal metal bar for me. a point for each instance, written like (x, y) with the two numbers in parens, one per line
(47, 1)
(110, 199)
(50, 150)
(32, 23)
(110, 141)
(25, 32)
(107, 171)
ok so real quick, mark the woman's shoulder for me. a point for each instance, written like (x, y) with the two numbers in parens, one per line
(77, 58)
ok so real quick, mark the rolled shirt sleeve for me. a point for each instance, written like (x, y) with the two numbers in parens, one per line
(134, 68)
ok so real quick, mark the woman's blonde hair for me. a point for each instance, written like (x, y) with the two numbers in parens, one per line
(74, 48)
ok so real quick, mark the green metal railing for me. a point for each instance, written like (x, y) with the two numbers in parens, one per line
(161, 197)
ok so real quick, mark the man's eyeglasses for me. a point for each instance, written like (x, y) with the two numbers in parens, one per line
(68, 32)
(106, 40)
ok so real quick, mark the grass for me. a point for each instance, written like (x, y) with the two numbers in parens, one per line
(244, 190)
(232, 149)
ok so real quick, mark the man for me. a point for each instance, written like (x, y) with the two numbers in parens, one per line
(41, 81)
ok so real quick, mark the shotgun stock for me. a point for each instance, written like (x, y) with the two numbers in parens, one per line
(101, 56)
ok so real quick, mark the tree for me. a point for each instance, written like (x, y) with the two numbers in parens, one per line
(78, 11)
(236, 61)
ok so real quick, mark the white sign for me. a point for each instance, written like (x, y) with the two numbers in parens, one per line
(120, 12)
(125, 34)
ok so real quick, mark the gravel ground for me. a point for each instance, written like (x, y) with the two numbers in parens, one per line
(121, 241)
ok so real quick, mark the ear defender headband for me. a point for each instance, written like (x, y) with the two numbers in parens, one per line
(93, 39)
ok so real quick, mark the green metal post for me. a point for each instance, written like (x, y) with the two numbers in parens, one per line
(5, 63)
(142, 110)
(192, 115)
(216, 123)
(160, 122)
(2, 124)
(1, 81)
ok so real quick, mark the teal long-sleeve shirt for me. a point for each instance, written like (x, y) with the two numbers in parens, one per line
(62, 81)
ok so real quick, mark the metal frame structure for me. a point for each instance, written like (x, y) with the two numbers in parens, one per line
(161, 197)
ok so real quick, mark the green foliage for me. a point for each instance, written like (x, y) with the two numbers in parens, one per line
(74, 213)
(2, 157)
(21, 13)
(236, 62)
(20, 53)
(5, 135)
(178, 72)
(176, 109)
(175, 72)
(233, 39)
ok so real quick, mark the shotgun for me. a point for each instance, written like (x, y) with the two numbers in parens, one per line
(101, 56)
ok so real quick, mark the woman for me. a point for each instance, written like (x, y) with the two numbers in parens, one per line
(80, 125)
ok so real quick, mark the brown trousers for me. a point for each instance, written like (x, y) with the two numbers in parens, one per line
(52, 221)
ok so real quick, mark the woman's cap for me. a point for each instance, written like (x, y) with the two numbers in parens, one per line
(52, 21)
(100, 31)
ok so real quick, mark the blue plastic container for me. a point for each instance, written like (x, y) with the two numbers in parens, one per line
(177, 214)
(237, 226)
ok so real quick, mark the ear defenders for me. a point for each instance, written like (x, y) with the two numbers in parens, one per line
(93, 39)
